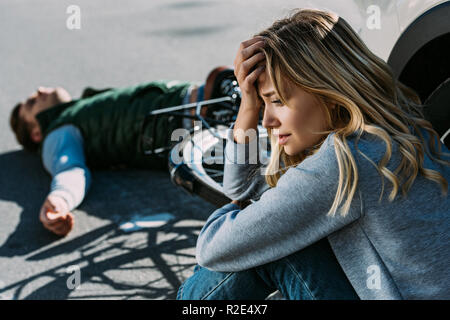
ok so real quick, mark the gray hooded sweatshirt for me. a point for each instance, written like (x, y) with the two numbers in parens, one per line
(388, 250)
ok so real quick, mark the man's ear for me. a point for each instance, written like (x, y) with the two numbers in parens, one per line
(36, 134)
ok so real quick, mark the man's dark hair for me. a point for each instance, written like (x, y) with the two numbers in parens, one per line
(21, 130)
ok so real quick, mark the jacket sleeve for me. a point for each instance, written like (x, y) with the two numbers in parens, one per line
(287, 218)
(243, 170)
(63, 157)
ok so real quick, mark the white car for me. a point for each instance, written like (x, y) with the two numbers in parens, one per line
(413, 36)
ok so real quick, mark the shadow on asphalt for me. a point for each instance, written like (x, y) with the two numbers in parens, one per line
(26, 186)
(96, 271)
(155, 258)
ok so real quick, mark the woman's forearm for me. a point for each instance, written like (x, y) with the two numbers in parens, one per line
(248, 66)
(245, 127)
(243, 176)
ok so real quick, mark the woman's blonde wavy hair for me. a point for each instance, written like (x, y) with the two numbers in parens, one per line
(319, 52)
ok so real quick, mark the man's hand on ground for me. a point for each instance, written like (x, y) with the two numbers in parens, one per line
(55, 215)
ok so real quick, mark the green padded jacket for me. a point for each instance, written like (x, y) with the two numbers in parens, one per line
(111, 121)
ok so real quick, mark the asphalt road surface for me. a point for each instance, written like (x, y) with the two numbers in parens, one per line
(135, 232)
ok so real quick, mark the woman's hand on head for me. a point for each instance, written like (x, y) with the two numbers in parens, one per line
(248, 66)
(249, 55)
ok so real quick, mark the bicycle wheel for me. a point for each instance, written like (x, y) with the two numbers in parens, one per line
(199, 164)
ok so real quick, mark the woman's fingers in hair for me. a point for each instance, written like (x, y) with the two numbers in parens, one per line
(250, 63)
(248, 66)
(247, 71)
(250, 50)
(253, 76)
(249, 42)
(247, 50)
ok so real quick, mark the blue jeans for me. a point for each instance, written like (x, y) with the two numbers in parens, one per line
(312, 273)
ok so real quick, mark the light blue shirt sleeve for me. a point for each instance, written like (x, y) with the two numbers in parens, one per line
(285, 219)
(63, 157)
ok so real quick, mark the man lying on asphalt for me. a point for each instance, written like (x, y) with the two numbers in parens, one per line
(101, 129)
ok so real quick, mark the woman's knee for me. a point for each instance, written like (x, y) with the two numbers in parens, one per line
(311, 273)
(201, 284)
(205, 284)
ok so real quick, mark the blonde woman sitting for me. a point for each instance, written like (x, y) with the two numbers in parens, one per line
(354, 201)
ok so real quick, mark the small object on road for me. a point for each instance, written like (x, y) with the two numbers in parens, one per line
(139, 222)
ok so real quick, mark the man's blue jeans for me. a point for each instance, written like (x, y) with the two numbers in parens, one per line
(312, 273)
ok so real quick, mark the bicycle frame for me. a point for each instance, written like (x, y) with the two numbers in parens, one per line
(225, 103)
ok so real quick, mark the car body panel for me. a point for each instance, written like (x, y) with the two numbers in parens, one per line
(394, 17)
